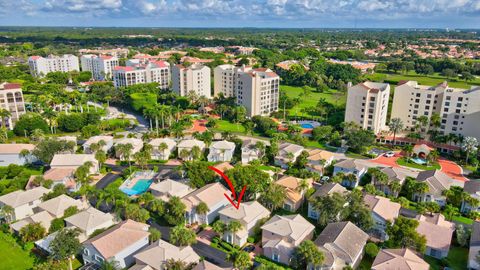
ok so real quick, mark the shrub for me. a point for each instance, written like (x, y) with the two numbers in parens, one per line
(371, 250)
(251, 240)
(28, 123)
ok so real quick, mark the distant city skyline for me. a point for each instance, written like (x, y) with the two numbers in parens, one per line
(243, 13)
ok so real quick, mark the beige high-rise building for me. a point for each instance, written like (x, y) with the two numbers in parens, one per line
(367, 105)
(41, 66)
(194, 78)
(11, 99)
(459, 109)
(149, 72)
(101, 66)
(224, 77)
(258, 90)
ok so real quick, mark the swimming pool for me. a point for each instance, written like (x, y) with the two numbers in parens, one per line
(140, 187)
(419, 161)
(306, 125)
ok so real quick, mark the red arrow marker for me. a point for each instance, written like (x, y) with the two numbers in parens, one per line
(232, 188)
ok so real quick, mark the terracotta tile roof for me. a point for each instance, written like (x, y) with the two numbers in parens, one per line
(328, 189)
(158, 253)
(15, 148)
(437, 230)
(224, 166)
(211, 194)
(382, 206)
(294, 226)
(247, 212)
(399, 259)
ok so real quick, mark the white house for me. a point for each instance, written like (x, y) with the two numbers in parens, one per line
(319, 159)
(73, 161)
(157, 254)
(250, 151)
(248, 214)
(287, 152)
(107, 140)
(169, 188)
(119, 243)
(213, 196)
(23, 202)
(437, 182)
(162, 148)
(188, 145)
(438, 233)
(472, 188)
(43, 217)
(474, 246)
(88, 221)
(350, 166)
(383, 212)
(221, 151)
(137, 145)
(326, 189)
(10, 154)
(57, 206)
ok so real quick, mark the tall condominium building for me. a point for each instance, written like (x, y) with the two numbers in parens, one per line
(41, 66)
(258, 90)
(194, 78)
(224, 77)
(459, 109)
(367, 105)
(101, 66)
(152, 71)
(11, 99)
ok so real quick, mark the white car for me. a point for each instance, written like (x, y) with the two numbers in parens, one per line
(389, 154)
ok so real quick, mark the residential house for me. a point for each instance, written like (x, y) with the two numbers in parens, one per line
(168, 188)
(10, 154)
(324, 190)
(119, 243)
(221, 151)
(342, 244)
(162, 148)
(206, 265)
(437, 182)
(319, 159)
(157, 254)
(282, 234)
(186, 146)
(23, 202)
(63, 176)
(57, 206)
(353, 167)
(438, 232)
(88, 221)
(108, 140)
(223, 167)
(287, 152)
(213, 196)
(248, 214)
(250, 152)
(472, 188)
(43, 217)
(73, 161)
(399, 259)
(294, 190)
(137, 145)
(474, 250)
(383, 212)
(394, 175)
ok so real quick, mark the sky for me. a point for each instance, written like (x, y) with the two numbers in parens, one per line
(244, 13)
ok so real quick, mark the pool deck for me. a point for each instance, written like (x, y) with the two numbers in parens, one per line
(133, 180)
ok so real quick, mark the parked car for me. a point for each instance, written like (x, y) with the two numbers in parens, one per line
(390, 154)
(249, 248)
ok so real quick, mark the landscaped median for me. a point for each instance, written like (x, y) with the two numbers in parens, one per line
(407, 163)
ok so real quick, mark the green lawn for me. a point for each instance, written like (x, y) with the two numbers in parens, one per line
(457, 259)
(266, 168)
(224, 125)
(403, 162)
(332, 96)
(421, 79)
(464, 220)
(12, 256)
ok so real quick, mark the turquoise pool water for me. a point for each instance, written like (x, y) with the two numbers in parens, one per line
(140, 187)
(420, 161)
(306, 125)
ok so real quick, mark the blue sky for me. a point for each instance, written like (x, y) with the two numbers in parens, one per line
(243, 13)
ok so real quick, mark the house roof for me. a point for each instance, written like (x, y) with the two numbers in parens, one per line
(96, 139)
(171, 187)
(169, 142)
(190, 143)
(42, 217)
(71, 159)
(119, 237)
(58, 174)
(399, 259)
(436, 180)
(475, 236)
(136, 143)
(89, 219)
(247, 211)
(285, 148)
(437, 230)
(291, 184)
(350, 164)
(21, 197)
(471, 187)
(224, 166)
(159, 252)
(57, 205)
(317, 154)
(397, 174)
(15, 148)
(206, 265)
(211, 194)
(382, 206)
(343, 238)
(329, 188)
(294, 226)
(223, 145)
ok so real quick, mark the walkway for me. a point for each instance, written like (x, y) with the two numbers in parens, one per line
(199, 125)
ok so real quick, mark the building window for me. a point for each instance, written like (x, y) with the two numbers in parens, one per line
(275, 257)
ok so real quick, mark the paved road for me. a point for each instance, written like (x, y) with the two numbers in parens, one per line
(211, 254)
(106, 180)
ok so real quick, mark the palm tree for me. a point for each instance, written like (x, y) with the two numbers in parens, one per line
(234, 226)
(421, 188)
(395, 188)
(408, 150)
(274, 196)
(184, 154)
(124, 151)
(202, 208)
(395, 125)
(110, 265)
(162, 147)
(196, 152)
(4, 114)
(50, 115)
(7, 212)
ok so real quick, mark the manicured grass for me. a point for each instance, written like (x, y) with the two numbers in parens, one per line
(464, 220)
(403, 162)
(12, 255)
(316, 144)
(457, 259)
(224, 125)
(266, 168)
(421, 79)
(332, 96)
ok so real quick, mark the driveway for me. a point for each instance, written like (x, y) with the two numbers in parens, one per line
(211, 254)
(106, 180)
